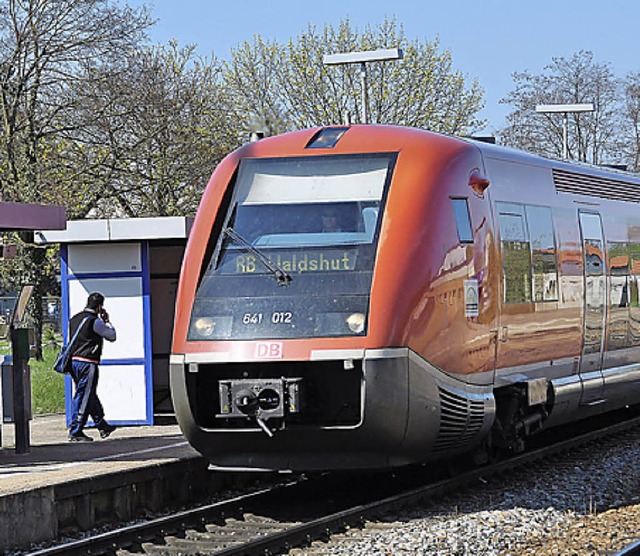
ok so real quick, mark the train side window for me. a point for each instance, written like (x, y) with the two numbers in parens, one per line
(463, 220)
(528, 253)
(543, 253)
(620, 294)
(634, 295)
(516, 253)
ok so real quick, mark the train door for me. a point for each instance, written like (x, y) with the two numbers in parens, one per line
(528, 334)
(594, 307)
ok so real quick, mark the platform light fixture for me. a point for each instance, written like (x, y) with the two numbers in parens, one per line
(383, 55)
(565, 110)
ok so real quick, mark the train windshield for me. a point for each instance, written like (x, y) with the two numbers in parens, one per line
(309, 224)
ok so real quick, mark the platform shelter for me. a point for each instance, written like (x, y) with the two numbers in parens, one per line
(25, 216)
(135, 263)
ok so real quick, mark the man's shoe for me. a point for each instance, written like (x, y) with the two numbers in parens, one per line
(80, 437)
(106, 430)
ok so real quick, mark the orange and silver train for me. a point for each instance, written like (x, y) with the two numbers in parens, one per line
(374, 296)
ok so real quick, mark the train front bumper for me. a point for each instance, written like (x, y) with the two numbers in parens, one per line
(380, 411)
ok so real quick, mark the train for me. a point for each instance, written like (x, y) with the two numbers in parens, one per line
(370, 297)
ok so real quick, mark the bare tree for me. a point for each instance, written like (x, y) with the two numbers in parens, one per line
(162, 122)
(42, 46)
(631, 115)
(591, 137)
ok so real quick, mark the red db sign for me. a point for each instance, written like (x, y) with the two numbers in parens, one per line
(269, 350)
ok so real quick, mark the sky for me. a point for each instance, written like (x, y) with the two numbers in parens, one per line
(489, 39)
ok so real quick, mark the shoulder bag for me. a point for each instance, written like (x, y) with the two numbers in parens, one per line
(62, 363)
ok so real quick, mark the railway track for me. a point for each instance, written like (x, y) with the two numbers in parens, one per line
(274, 520)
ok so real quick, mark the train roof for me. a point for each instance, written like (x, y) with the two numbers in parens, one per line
(569, 176)
(577, 178)
(401, 134)
(501, 152)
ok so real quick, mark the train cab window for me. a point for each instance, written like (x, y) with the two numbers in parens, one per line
(528, 253)
(463, 220)
(309, 201)
(310, 223)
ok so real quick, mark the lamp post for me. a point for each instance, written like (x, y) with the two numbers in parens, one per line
(565, 110)
(362, 58)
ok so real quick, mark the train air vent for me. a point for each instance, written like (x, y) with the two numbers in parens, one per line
(595, 186)
(461, 419)
(327, 138)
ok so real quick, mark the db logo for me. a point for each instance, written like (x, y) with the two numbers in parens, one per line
(269, 350)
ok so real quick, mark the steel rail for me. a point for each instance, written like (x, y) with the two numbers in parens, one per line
(631, 550)
(337, 522)
(320, 528)
(139, 532)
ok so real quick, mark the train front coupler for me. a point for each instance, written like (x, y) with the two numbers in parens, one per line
(261, 399)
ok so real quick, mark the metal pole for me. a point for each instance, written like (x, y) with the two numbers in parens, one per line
(363, 81)
(565, 135)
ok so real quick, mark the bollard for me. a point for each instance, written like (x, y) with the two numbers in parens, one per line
(20, 355)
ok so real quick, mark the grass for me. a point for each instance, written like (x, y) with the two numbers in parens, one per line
(47, 386)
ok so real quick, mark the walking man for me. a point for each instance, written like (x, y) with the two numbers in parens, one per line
(87, 351)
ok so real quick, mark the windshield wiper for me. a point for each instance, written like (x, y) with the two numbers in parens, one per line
(282, 277)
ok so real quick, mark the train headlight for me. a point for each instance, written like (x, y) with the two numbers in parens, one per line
(341, 323)
(356, 322)
(204, 326)
(213, 327)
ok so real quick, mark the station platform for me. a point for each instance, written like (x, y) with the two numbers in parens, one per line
(60, 487)
(52, 459)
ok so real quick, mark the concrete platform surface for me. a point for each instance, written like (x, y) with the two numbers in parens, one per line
(52, 459)
(60, 487)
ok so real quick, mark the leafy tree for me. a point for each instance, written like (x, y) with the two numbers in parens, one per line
(286, 86)
(251, 80)
(580, 79)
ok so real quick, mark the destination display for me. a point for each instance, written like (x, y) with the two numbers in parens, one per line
(308, 260)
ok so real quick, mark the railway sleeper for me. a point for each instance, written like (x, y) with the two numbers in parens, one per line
(176, 546)
(241, 526)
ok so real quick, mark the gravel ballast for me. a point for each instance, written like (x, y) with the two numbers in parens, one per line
(583, 502)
